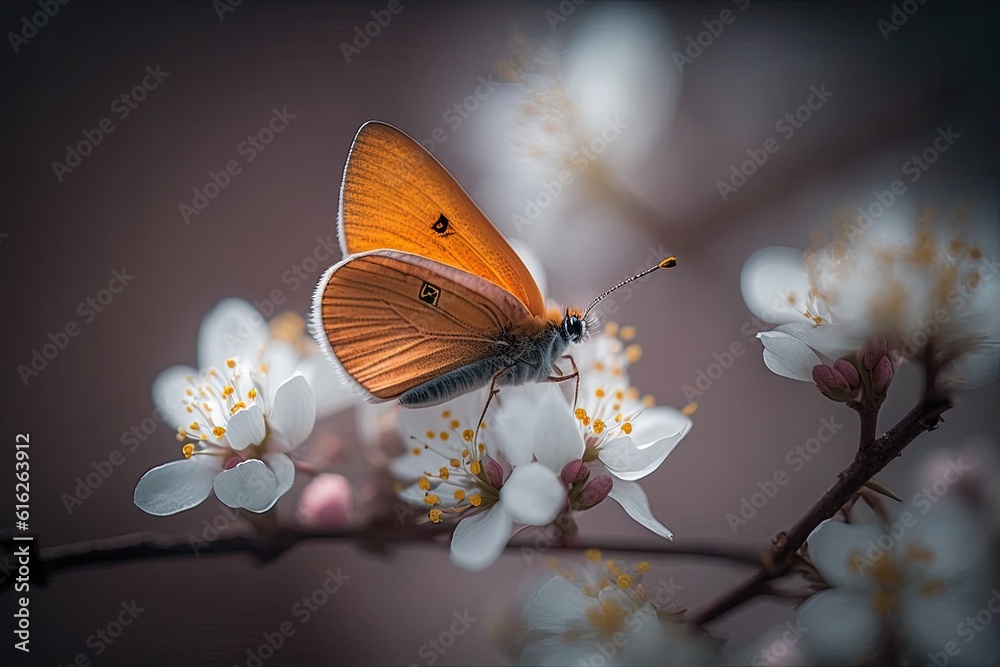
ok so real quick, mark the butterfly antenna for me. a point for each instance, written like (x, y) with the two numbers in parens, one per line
(667, 263)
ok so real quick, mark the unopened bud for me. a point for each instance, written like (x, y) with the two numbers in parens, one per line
(495, 473)
(831, 383)
(595, 492)
(882, 375)
(871, 353)
(575, 471)
(848, 371)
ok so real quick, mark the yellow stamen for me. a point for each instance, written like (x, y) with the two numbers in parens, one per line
(444, 435)
(627, 428)
(468, 435)
(424, 484)
(580, 414)
(460, 495)
(434, 515)
(624, 581)
(633, 353)
(475, 500)
(642, 567)
(416, 451)
(475, 467)
(598, 426)
(455, 463)
(689, 409)
(252, 394)
(592, 554)
(231, 362)
(194, 426)
(218, 431)
(431, 499)
(187, 450)
(611, 328)
(627, 333)
(599, 393)
(430, 435)
(443, 473)
(454, 423)
(240, 405)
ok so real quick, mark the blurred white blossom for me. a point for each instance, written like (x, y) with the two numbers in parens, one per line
(922, 282)
(901, 590)
(598, 612)
(576, 135)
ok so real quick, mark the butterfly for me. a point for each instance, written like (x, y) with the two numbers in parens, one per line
(431, 301)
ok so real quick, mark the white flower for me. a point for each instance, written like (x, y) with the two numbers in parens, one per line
(457, 478)
(903, 587)
(598, 611)
(235, 328)
(617, 432)
(916, 281)
(241, 440)
(577, 137)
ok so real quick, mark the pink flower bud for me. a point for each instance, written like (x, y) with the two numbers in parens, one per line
(831, 383)
(575, 472)
(595, 492)
(848, 371)
(495, 473)
(870, 355)
(326, 503)
(882, 375)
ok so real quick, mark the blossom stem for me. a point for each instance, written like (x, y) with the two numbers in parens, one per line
(873, 455)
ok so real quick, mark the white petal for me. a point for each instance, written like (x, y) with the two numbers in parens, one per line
(625, 461)
(533, 494)
(250, 485)
(294, 412)
(633, 500)
(284, 472)
(928, 621)
(536, 421)
(233, 328)
(840, 625)
(168, 394)
(246, 428)
(559, 606)
(787, 356)
(176, 486)
(480, 539)
(953, 537)
(828, 340)
(657, 423)
(281, 360)
(976, 368)
(844, 553)
(561, 650)
(769, 278)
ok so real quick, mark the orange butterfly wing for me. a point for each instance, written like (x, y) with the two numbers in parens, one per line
(395, 320)
(395, 195)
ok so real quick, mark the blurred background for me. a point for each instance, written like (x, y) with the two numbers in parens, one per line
(642, 114)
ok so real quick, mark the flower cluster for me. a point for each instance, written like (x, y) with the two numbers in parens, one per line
(924, 284)
(535, 457)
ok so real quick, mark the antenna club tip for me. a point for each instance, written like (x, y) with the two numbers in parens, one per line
(668, 263)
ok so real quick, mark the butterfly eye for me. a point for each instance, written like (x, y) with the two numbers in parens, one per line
(575, 328)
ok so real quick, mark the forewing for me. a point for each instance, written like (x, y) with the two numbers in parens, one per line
(395, 320)
(397, 196)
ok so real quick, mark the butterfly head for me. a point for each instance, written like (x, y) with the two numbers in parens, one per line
(576, 326)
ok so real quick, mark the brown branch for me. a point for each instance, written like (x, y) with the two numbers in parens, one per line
(872, 457)
(266, 548)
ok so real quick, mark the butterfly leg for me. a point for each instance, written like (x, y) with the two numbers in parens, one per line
(489, 399)
(575, 375)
